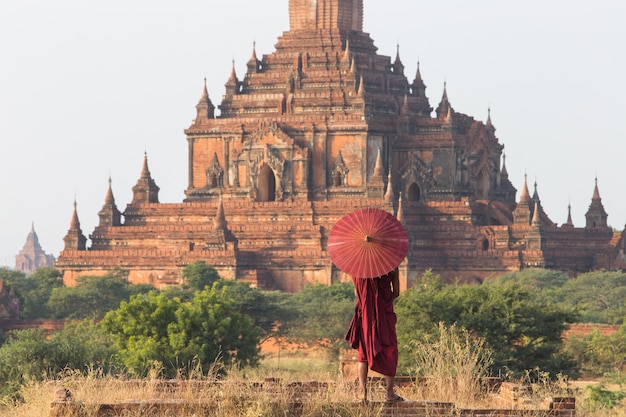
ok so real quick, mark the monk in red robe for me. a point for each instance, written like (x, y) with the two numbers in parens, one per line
(373, 330)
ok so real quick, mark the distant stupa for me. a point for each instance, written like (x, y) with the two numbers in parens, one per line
(32, 256)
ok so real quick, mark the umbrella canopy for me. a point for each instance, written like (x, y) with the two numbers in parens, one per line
(368, 243)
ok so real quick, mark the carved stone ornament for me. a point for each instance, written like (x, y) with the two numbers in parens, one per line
(215, 174)
(418, 172)
(340, 172)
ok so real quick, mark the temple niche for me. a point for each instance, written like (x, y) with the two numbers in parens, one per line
(322, 125)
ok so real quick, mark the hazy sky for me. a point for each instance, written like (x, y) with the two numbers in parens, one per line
(86, 87)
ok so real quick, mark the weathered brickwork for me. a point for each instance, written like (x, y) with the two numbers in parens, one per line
(322, 126)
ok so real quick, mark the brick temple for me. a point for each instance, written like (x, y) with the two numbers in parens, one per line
(320, 127)
(32, 255)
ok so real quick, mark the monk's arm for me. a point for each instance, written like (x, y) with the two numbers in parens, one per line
(395, 284)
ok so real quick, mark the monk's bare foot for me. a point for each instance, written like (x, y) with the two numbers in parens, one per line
(395, 398)
(362, 394)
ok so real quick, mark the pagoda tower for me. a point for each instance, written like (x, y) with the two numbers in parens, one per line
(323, 125)
(32, 256)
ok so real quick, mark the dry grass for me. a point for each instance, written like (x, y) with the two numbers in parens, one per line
(450, 367)
(239, 395)
(242, 395)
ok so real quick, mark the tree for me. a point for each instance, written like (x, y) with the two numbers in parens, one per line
(598, 296)
(92, 297)
(199, 275)
(11, 275)
(536, 279)
(211, 329)
(182, 334)
(83, 346)
(267, 309)
(32, 354)
(35, 290)
(24, 356)
(600, 355)
(322, 314)
(522, 332)
(139, 329)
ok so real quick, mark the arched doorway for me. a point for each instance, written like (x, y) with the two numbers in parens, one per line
(267, 184)
(414, 193)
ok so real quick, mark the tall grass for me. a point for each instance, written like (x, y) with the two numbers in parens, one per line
(450, 366)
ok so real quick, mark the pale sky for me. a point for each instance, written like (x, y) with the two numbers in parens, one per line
(86, 87)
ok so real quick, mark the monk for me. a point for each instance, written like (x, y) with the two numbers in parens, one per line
(373, 330)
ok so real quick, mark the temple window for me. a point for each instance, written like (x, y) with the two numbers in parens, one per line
(267, 184)
(414, 193)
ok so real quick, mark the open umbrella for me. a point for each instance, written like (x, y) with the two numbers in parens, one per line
(368, 243)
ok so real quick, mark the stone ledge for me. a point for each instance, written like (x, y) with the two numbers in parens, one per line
(296, 403)
(294, 408)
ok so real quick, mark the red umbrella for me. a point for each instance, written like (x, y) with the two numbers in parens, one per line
(368, 243)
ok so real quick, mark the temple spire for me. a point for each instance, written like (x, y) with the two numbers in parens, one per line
(361, 89)
(389, 193)
(536, 221)
(346, 57)
(398, 67)
(219, 222)
(232, 85)
(569, 222)
(504, 174)
(418, 87)
(74, 239)
(376, 182)
(444, 110)
(205, 109)
(253, 62)
(596, 192)
(109, 199)
(596, 216)
(378, 166)
(109, 214)
(525, 194)
(145, 190)
(400, 213)
(536, 193)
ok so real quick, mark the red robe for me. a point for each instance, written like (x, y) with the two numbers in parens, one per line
(373, 328)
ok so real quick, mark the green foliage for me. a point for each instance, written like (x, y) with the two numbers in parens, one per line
(210, 328)
(83, 346)
(600, 355)
(267, 309)
(321, 314)
(92, 297)
(537, 279)
(199, 275)
(182, 334)
(520, 330)
(34, 291)
(31, 354)
(599, 296)
(601, 398)
(11, 275)
(24, 356)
